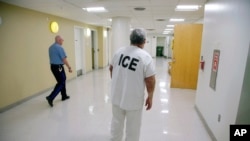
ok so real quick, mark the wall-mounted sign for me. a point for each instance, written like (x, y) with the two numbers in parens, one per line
(54, 27)
(214, 70)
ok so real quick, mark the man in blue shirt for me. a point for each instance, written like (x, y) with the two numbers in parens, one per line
(58, 58)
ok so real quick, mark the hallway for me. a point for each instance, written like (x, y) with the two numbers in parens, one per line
(86, 115)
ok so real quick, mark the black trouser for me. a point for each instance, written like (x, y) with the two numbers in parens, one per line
(59, 73)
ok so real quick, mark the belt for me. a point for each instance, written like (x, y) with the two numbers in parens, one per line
(56, 64)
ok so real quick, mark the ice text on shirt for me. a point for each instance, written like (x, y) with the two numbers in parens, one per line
(128, 62)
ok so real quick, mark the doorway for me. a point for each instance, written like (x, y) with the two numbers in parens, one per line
(186, 56)
(79, 51)
(95, 49)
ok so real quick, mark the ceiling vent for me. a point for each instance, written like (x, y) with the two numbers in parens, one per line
(150, 29)
(139, 8)
(161, 20)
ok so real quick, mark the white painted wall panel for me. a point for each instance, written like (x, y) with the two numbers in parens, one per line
(226, 27)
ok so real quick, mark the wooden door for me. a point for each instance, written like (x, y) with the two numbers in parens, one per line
(186, 55)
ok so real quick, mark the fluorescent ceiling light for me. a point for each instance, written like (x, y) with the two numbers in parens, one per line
(187, 7)
(95, 9)
(166, 32)
(168, 29)
(176, 20)
(170, 25)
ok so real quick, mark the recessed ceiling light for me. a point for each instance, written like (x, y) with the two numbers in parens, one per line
(95, 9)
(176, 20)
(166, 32)
(187, 7)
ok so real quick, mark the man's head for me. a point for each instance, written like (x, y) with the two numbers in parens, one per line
(138, 37)
(59, 40)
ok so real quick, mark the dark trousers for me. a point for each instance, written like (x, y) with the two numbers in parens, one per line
(59, 73)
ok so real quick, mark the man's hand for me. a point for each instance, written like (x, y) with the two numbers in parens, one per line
(70, 70)
(149, 103)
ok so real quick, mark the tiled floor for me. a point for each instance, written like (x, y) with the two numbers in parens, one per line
(86, 115)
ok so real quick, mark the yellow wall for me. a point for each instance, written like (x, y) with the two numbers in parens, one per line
(24, 41)
(102, 47)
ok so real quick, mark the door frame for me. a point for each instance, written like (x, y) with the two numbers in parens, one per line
(80, 59)
(95, 46)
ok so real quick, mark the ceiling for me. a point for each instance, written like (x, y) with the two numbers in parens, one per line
(154, 18)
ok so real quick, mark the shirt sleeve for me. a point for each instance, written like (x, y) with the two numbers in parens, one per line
(62, 53)
(150, 69)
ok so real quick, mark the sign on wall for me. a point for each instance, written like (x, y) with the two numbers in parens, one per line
(214, 70)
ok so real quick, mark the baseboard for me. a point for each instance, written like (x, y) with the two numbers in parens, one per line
(6, 108)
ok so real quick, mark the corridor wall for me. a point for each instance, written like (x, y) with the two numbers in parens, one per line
(24, 41)
(226, 28)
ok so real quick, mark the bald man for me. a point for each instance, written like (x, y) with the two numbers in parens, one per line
(58, 58)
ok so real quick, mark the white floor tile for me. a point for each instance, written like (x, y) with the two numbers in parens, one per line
(86, 115)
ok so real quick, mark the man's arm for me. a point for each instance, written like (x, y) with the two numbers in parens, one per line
(150, 85)
(65, 61)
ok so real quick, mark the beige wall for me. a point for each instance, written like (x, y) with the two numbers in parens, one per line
(24, 41)
(103, 47)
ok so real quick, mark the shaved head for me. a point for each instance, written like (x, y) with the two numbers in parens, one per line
(59, 39)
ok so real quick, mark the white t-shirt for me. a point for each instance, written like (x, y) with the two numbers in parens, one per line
(131, 65)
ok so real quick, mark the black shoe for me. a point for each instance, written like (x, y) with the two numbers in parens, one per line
(49, 101)
(65, 98)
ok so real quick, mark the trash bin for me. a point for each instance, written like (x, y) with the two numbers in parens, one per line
(159, 51)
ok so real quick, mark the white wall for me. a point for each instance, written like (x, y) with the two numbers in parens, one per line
(168, 49)
(150, 45)
(160, 41)
(226, 27)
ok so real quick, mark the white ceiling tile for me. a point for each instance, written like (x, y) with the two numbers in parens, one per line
(155, 10)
